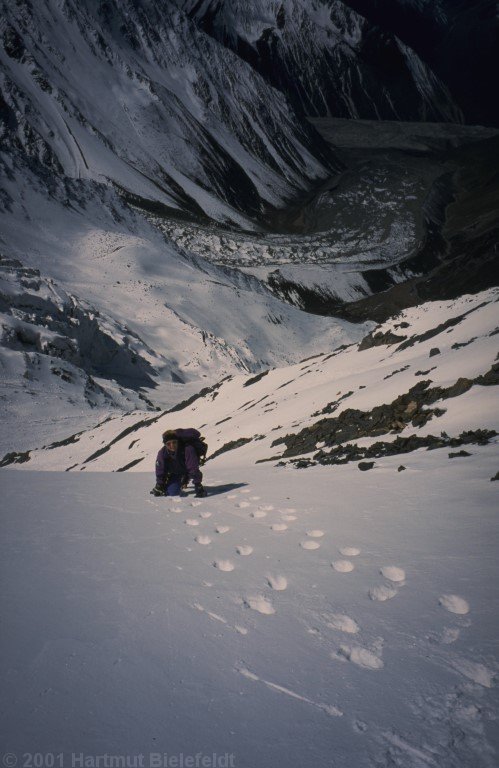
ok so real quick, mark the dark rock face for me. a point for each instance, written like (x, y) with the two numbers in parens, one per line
(343, 454)
(231, 445)
(458, 454)
(410, 408)
(351, 424)
(434, 351)
(15, 458)
(360, 69)
(457, 38)
(364, 466)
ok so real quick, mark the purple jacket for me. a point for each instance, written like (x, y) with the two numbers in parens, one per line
(184, 462)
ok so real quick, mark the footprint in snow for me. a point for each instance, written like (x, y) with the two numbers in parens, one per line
(315, 534)
(258, 513)
(448, 636)
(342, 623)
(392, 573)
(196, 503)
(224, 565)
(474, 671)
(241, 630)
(254, 498)
(454, 604)
(279, 527)
(177, 510)
(309, 544)
(360, 656)
(244, 549)
(349, 551)
(266, 507)
(382, 593)
(260, 604)
(190, 521)
(342, 566)
(288, 518)
(245, 490)
(279, 583)
(243, 504)
(205, 515)
(222, 528)
(203, 539)
(232, 496)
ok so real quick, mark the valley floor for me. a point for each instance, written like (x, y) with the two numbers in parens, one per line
(304, 618)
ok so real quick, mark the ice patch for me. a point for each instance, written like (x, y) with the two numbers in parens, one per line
(260, 604)
(342, 566)
(224, 565)
(454, 604)
(392, 573)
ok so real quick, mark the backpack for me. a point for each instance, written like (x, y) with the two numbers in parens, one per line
(193, 437)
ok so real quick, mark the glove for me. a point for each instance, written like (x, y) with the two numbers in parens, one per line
(158, 490)
(200, 491)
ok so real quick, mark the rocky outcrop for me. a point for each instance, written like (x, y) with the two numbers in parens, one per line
(411, 408)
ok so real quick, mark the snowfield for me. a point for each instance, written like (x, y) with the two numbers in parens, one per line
(304, 617)
(141, 625)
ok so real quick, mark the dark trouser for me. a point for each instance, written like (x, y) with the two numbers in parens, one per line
(173, 485)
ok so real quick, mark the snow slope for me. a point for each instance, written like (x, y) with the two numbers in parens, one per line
(305, 618)
(433, 369)
(309, 617)
(91, 289)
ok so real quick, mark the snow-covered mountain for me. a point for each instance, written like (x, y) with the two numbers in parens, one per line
(456, 38)
(166, 217)
(426, 378)
(135, 95)
(328, 59)
(98, 308)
